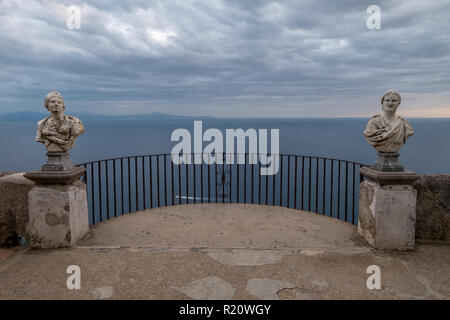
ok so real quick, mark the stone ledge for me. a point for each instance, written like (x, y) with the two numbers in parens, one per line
(14, 190)
(6, 173)
(55, 177)
(433, 207)
(389, 178)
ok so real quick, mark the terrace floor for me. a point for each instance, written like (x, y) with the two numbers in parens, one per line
(225, 251)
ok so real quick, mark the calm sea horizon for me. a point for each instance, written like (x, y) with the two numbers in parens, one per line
(426, 152)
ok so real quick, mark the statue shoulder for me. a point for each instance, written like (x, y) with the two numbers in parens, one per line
(77, 125)
(403, 119)
(43, 121)
(376, 119)
(74, 119)
(375, 116)
(407, 124)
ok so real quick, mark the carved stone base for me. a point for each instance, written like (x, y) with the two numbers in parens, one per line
(58, 215)
(388, 162)
(56, 177)
(387, 209)
(58, 161)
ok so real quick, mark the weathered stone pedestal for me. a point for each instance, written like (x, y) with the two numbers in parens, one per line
(388, 162)
(387, 209)
(58, 161)
(58, 212)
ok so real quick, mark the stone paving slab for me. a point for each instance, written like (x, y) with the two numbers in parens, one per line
(210, 269)
(130, 273)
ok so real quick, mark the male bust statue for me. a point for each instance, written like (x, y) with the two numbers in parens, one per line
(387, 132)
(58, 132)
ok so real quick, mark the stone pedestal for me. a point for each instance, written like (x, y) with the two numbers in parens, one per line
(58, 161)
(388, 162)
(56, 177)
(58, 215)
(387, 209)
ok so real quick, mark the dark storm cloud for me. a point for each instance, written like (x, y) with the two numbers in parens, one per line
(226, 58)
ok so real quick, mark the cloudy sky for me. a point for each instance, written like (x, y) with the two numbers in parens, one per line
(302, 58)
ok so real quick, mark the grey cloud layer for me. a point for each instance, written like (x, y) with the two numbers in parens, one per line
(222, 57)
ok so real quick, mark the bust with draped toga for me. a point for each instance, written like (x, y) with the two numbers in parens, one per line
(387, 133)
(58, 133)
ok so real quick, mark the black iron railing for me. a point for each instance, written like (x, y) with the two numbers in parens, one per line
(124, 185)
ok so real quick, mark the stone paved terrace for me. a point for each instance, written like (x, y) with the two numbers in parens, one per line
(225, 251)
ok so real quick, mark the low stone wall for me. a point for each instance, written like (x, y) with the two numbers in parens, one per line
(433, 207)
(14, 188)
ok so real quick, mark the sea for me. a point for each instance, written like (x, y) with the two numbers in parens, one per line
(426, 152)
(310, 183)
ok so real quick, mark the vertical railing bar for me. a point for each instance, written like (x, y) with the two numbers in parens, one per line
(215, 167)
(157, 181)
(143, 181)
(281, 180)
(331, 189)
(187, 180)
(317, 185)
(237, 179)
(303, 181)
(209, 178)
(165, 179)
(245, 178)
(323, 184)
(100, 189)
(151, 180)
(136, 182)
(107, 190)
(172, 181)
(201, 178)
(223, 177)
(289, 180)
(346, 190)
(92, 193)
(121, 187)
(85, 181)
(273, 185)
(259, 181)
(114, 189)
(195, 178)
(253, 177)
(129, 186)
(295, 183)
(179, 183)
(353, 194)
(339, 189)
(309, 184)
(267, 189)
(231, 184)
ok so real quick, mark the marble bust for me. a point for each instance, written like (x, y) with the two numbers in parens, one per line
(387, 132)
(58, 131)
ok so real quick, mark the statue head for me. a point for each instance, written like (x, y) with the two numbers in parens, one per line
(54, 102)
(390, 101)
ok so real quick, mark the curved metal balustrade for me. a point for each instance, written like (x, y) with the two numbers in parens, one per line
(124, 185)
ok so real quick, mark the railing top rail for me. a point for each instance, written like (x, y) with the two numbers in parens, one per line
(223, 153)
